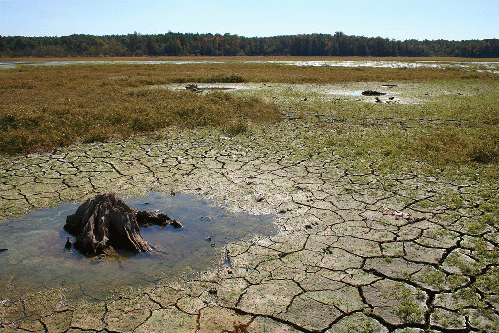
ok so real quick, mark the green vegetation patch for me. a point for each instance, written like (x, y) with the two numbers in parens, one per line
(457, 131)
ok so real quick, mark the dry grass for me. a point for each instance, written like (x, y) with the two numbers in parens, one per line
(282, 73)
(42, 108)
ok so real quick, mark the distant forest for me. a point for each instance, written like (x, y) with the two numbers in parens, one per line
(188, 44)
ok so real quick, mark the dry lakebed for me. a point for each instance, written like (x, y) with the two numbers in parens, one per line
(288, 227)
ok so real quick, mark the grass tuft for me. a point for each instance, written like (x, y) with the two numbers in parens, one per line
(457, 145)
(237, 127)
(217, 78)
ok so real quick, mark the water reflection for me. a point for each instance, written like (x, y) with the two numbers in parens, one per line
(36, 258)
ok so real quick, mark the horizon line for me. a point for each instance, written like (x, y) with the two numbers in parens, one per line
(234, 34)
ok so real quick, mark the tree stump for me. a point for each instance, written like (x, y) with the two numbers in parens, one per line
(107, 221)
(372, 93)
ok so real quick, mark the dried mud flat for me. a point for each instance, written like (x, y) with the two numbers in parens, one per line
(358, 251)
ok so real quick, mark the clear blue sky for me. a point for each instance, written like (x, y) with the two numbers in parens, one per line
(434, 19)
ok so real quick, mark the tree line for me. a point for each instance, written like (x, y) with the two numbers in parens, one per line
(189, 44)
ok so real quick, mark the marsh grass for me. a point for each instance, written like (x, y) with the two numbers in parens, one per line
(217, 78)
(42, 108)
(452, 145)
(237, 127)
(451, 131)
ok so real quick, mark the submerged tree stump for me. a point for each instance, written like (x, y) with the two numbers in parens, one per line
(107, 221)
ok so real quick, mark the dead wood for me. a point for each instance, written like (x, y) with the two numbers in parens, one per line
(107, 221)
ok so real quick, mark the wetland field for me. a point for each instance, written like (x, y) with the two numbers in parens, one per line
(309, 204)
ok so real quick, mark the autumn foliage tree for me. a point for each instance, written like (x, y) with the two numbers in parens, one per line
(188, 44)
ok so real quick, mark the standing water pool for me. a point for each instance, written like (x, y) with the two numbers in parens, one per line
(37, 260)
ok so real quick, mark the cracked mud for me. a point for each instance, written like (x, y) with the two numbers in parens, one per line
(359, 251)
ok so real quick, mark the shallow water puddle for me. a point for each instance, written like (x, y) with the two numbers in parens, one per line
(36, 258)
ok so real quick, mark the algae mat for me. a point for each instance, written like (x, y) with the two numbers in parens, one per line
(359, 250)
